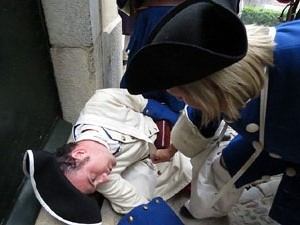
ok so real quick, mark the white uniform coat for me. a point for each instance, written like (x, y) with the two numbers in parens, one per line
(119, 113)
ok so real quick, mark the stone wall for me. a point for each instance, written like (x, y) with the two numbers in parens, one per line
(85, 45)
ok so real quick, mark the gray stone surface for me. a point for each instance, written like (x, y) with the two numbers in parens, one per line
(250, 195)
(252, 209)
(68, 22)
(269, 188)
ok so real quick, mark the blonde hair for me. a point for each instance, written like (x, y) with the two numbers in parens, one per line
(229, 89)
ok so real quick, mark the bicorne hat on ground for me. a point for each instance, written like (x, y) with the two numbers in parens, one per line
(56, 194)
(194, 40)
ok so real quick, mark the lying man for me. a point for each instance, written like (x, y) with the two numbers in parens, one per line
(112, 140)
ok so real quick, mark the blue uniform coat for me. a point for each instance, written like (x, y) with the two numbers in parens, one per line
(281, 152)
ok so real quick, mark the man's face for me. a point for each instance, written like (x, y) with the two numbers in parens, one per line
(96, 168)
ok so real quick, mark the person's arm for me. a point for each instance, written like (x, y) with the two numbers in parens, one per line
(120, 98)
(121, 194)
(195, 116)
(163, 155)
(124, 190)
(190, 133)
(119, 103)
(159, 111)
(171, 101)
(188, 136)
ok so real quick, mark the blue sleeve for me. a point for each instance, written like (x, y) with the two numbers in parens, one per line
(195, 116)
(173, 102)
(164, 97)
(159, 111)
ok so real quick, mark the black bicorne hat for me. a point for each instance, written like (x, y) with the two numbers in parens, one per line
(194, 40)
(56, 194)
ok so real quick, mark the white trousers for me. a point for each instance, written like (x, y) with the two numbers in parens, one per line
(208, 177)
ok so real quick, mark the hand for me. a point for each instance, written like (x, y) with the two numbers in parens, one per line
(163, 155)
(160, 155)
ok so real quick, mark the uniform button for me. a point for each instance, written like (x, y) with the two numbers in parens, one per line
(290, 172)
(252, 128)
(145, 207)
(257, 145)
(157, 201)
(159, 172)
(147, 111)
(275, 156)
(130, 219)
(123, 138)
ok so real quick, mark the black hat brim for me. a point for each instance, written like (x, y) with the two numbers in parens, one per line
(56, 194)
(180, 65)
(194, 40)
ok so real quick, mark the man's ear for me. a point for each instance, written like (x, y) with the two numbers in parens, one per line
(79, 153)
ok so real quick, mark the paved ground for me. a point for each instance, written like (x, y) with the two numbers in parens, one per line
(252, 209)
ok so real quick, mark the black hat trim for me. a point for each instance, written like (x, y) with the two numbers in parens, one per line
(28, 161)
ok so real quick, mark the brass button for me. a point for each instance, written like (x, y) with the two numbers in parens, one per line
(252, 128)
(290, 172)
(145, 207)
(130, 219)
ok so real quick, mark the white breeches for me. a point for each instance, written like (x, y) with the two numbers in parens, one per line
(208, 179)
